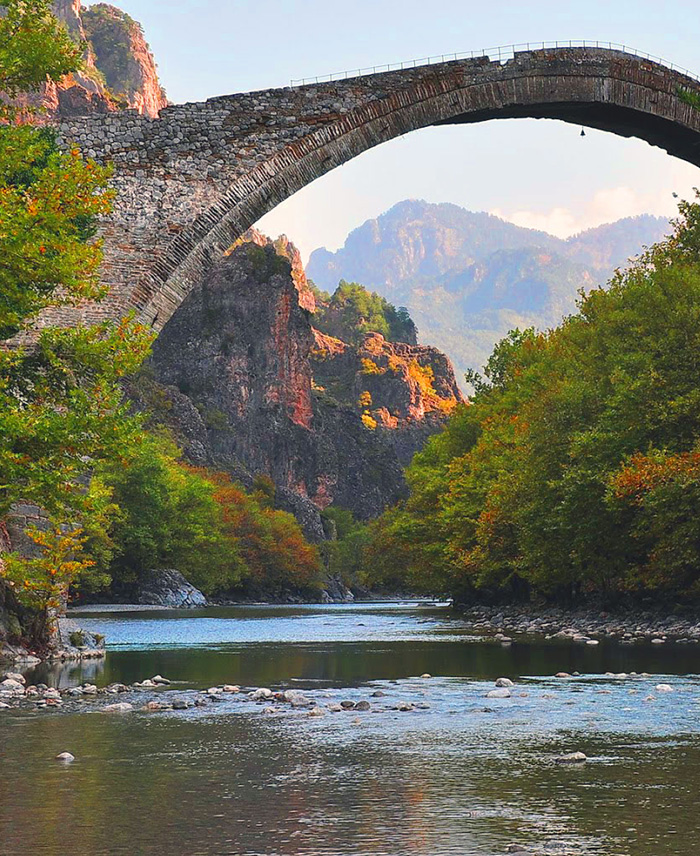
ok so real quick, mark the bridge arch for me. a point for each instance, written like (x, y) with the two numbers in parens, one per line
(192, 181)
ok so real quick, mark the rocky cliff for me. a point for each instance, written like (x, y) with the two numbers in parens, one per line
(118, 68)
(401, 391)
(123, 56)
(246, 385)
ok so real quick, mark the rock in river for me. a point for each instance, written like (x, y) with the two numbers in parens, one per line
(65, 757)
(260, 694)
(169, 588)
(572, 758)
(500, 692)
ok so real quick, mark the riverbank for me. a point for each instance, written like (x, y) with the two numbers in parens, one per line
(70, 643)
(581, 625)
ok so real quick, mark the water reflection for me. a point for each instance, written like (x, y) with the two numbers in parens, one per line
(465, 776)
(335, 645)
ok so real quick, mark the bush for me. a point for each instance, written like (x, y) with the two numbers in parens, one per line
(172, 515)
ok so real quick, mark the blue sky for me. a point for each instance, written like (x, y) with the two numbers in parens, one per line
(537, 173)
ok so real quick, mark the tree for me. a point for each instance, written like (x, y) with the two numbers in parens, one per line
(353, 311)
(33, 47)
(573, 471)
(61, 408)
(168, 517)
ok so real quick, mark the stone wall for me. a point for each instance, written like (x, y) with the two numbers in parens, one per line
(192, 181)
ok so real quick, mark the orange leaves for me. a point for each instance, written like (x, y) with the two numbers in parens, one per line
(644, 473)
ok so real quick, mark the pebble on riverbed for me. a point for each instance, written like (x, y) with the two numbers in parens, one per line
(119, 707)
(65, 757)
(572, 758)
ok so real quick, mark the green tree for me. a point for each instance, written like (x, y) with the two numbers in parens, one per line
(168, 518)
(33, 47)
(61, 408)
(571, 472)
(353, 311)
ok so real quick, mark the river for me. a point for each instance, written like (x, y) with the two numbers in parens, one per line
(457, 775)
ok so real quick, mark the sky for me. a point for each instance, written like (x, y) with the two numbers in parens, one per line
(537, 173)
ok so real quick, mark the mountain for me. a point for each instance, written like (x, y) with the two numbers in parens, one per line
(246, 385)
(467, 278)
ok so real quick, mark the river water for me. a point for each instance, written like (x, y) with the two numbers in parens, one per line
(459, 775)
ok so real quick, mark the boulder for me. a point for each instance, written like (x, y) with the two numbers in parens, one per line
(500, 692)
(260, 694)
(65, 757)
(296, 698)
(336, 591)
(170, 589)
(10, 687)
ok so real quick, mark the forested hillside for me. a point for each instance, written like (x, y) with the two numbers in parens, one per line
(575, 470)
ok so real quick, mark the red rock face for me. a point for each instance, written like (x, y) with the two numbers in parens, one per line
(254, 389)
(293, 386)
(284, 247)
(83, 92)
(129, 71)
(395, 384)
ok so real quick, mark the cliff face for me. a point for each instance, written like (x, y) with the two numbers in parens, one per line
(119, 70)
(402, 391)
(248, 386)
(124, 58)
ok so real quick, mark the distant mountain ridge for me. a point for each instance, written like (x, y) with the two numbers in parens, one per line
(468, 277)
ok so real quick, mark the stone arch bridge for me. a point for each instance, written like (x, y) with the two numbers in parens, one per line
(192, 181)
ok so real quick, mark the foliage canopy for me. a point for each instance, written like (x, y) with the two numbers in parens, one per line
(574, 469)
(352, 311)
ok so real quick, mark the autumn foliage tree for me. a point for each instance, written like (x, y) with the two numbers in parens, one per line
(223, 538)
(574, 470)
(61, 408)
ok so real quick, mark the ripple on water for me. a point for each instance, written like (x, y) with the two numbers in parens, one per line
(465, 775)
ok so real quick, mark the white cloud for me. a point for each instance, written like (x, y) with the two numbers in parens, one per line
(605, 206)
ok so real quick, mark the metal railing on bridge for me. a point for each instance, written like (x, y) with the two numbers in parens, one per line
(502, 53)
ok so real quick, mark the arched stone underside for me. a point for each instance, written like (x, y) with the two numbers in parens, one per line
(192, 181)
